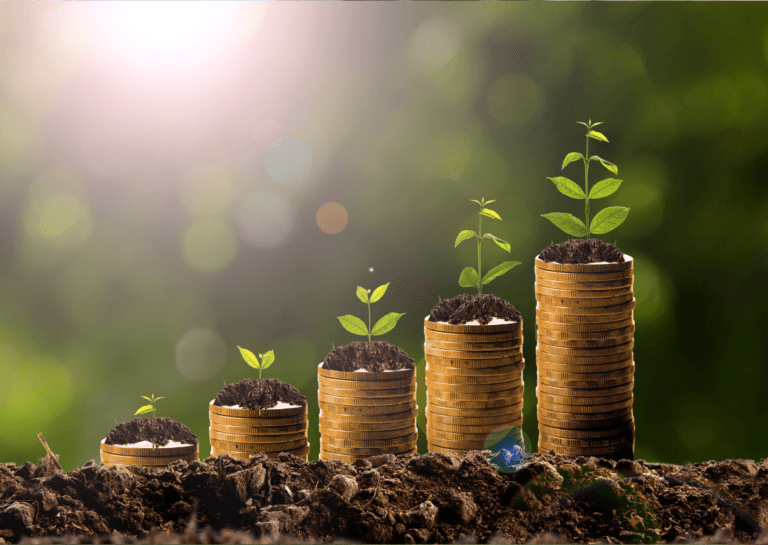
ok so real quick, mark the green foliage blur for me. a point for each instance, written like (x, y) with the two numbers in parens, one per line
(153, 219)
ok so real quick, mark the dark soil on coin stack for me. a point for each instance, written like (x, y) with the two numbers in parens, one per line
(466, 307)
(580, 251)
(256, 394)
(374, 356)
(410, 498)
(158, 430)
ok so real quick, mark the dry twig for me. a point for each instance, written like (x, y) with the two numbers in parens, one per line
(51, 455)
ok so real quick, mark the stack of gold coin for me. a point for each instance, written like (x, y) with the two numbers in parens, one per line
(584, 359)
(364, 413)
(242, 433)
(146, 456)
(474, 378)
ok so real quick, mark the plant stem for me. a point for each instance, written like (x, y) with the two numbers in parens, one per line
(586, 182)
(369, 318)
(479, 242)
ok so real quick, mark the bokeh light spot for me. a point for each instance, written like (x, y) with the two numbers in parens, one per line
(331, 218)
(434, 43)
(265, 219)
(207, 189)
(209, 245)
(289, 162)
(200, 354)
(514, 99)
(652, 289)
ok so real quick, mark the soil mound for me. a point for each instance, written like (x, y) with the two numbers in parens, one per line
(374, 356)
(256, 394)
(580, 251)
(158, 430)
(467, 307)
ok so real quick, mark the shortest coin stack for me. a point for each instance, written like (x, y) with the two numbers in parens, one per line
(242, 433)
(146, 456)
(365, 413)
(474, 378)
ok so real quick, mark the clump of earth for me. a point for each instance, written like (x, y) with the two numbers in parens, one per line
(580, 251)
(409, 498)
(158, 430)
(374, 356)
(465, 307)
(257, 394)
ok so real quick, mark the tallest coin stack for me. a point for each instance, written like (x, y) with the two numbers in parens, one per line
(584, 358)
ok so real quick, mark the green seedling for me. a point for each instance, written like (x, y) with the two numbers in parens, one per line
(266, 359)
(608, 218)
(470, 278)
(384, 325)
(148, 408)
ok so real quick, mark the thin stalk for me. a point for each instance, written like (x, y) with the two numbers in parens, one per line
(369, 318)
(586, 182)
(479, 263)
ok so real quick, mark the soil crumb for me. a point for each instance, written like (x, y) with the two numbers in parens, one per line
(580, 251)
(468, 307)
(256, 394)
(374, 356)
(158, 430)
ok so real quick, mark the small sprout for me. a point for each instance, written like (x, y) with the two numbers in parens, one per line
(149, 408)
(470, 278)
(608, 218)
(266, 359)
(384, 325)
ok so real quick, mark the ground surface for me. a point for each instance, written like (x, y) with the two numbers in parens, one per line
(412, 498)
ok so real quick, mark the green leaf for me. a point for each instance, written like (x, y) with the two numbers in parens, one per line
(604, 188)
(571, 157)
(504, 245)
(362, 294)
(568, 187)
(387, 323)
(145, 397)
(499, 270)
(144, 410)
(608, 219)
(469, 278)
(268, 359)
(379, 292)
(596, 123)
(582, 123)
(597, 136)
(250, 358)
(489, 202)
(464, 235)
(568, 223)
(159, 398)
(490, 213)
(607, 164)
(353, 324)
(478, 202)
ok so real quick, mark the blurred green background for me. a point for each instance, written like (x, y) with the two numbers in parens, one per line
(166, 175)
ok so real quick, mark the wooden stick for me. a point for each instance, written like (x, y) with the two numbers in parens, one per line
(50, 454)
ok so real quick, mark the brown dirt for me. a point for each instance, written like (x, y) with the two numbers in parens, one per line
(374, 356)
(580, 251)
(256, 394)
(158, 430)
(411, 498)
(467, 307)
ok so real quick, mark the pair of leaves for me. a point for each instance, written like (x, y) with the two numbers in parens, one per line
(377, 294)
(355, 325)
(470, 279)
(571, 189)
(604, 221)
(467, 234)
(148, 408)
(251, 359)
(575, 156)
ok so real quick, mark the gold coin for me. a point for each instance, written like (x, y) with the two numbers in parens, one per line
(553, 377)
(402, 414)
(549, 400)
(473, 329)
(514, 390)
(591, 392)
(619, 439)
(483, 371)
(588, 409)
(585, 327)
(109, 458)
(587, 434)
(326, 455)
(392, 392)
(593, 419)
(430, 334)
(490, 438)
(541, 274)
(598, 285)
(263, 439)
(460, 363)
(545, 365)
(622, 450)
(256, 430)
(367, 385)
(366, 401)
(257, 413)
(498, 411)
(580, 294)
(473, 355)
(470, 379)
(603, 343)
(264, 422)
(474, 347)
(578, 425)
(585, 352)
(335, 409)
(589, 362)
(549, 316)
(591, 268)
(470, 388)
(301, 452)
(435, 448)
(457, 445)
(186, 450)
(597, 302)
(617, 308)
(475, 430)
(586, 335)
(583, 384)
(398, 374)
(367, 435)
(351, 451)
(366, 427)
(239, 446)
(474, 420)
(476, 405)
(339, 442)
